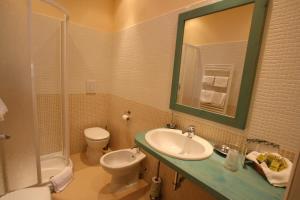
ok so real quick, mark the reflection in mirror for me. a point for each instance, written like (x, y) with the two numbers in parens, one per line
(212, 61)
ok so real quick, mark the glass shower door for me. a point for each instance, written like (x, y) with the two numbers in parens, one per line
(19, 153)
(48, 58)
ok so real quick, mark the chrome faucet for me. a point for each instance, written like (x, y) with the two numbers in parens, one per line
(190, 131)
(171, 125)
(137, 149)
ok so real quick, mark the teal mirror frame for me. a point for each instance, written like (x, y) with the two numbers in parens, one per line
(251, 60)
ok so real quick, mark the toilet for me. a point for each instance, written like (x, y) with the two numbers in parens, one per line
(96, 139)
(34, 193)
(124, 166)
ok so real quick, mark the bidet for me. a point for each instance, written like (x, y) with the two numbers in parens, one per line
(124, 166)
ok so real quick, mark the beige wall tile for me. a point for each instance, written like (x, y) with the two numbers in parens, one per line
(85, 111)
(143, 118)
(49, 111)
(274, 114)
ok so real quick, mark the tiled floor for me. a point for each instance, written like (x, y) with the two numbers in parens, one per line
(90, 183)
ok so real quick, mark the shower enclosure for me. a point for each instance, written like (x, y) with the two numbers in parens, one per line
(33, 85)
(49, 43)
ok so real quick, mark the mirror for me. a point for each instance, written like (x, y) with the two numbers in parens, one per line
(216, 56)
(212, 61)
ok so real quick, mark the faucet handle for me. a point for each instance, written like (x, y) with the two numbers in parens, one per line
(171, 125)
(136, 147)
(191, 129)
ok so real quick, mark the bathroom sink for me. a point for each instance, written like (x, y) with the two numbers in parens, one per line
(176, 144)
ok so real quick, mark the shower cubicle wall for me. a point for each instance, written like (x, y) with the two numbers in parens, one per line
(18, 155)
(33, 63)
(49, 62)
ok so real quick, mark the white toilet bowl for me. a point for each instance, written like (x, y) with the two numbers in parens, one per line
(96, 139)
(123, 165)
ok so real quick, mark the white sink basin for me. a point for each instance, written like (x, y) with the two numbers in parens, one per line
(175, 144)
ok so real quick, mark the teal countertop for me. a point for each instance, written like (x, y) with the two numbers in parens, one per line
(245, 184)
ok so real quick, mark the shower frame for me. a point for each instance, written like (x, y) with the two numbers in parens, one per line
(64, 88)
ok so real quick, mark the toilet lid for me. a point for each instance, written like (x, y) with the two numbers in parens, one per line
(36, 193)
(96, 133)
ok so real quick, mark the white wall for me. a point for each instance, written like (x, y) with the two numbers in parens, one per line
(90, 58)
(143, 61)
(143, 64)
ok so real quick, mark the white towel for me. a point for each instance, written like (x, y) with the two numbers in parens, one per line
(206, 96)
(3, 110)
(61, 180)
(208, 80)
(218, 99)
(278, 179)
(221, 81)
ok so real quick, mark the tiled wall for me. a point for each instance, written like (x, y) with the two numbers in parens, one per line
(141, 71)
(139, 80)
(46, 48)
(275, 104)
(143, 62)
(86, 111)
(50, 123)
(46, 45)
(144, 117)
(90, 59)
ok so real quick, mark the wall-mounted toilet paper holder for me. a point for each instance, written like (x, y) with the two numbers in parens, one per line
(126, 116)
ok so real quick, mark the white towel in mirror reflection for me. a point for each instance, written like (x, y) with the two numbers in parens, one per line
(218, 99)
(208, 80)
(206, 96)
(221, 81)
(214, 98)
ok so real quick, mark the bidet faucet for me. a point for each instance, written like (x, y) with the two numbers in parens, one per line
(190, 131)
(136, 148)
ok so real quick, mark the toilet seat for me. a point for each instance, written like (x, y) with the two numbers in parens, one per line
(96, 133)
(35, 193)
